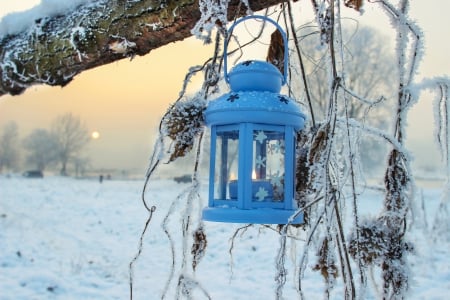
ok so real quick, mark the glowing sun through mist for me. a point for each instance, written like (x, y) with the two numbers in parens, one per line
(95, 135)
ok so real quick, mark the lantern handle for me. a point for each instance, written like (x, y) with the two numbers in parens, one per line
(283, 34)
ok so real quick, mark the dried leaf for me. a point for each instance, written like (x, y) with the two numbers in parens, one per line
(182, 123)
(198, 247)
(326, 264)
(319, 144)
(355, 4)
(275, 54)
(371, 245)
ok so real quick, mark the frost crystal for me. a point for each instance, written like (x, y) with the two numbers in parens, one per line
(213, 13)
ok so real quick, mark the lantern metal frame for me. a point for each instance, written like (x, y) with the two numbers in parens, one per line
(253, 107)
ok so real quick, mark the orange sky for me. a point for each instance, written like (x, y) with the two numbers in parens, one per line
(123, 101)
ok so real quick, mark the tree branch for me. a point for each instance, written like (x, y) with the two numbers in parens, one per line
(55, 49)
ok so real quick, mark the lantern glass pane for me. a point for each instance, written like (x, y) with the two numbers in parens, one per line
(226, 170)
(268, 166)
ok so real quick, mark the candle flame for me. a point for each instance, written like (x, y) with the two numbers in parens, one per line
(253, 174)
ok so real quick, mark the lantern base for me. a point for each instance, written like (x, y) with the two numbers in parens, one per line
(251, 216)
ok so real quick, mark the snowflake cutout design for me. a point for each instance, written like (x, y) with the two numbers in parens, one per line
(261, 194)
(276, 179)
(260, 137)
(283, 99)
(260, 162)
(233, 97)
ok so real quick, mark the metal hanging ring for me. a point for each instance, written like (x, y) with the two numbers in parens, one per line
(264, 18)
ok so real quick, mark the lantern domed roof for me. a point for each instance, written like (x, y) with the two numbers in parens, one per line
(255, 75)
(255, 98)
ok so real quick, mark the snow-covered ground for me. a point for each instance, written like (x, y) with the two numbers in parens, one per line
(63, 238)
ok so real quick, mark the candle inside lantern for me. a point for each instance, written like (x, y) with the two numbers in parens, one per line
(261, 189)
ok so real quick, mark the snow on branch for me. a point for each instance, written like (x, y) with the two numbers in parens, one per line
(214, 14)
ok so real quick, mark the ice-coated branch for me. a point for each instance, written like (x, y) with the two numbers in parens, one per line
(441, 111)
(409, 36)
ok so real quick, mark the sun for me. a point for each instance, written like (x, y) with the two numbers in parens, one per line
(95, 135)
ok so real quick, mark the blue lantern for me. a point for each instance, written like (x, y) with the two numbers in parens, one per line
(253, 137)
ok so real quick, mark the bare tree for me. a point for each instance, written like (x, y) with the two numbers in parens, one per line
(42, 148)
(81, 164)
(71, 136)
(370, 72)
(9, 146)
(369, 76)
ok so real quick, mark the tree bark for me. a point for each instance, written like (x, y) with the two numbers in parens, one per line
(55, 49)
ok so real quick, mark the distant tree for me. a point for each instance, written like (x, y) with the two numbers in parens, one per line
(9, 146)
(71, 136)
(370, 71)
(370, 79)
(42, 148)
(81, 164)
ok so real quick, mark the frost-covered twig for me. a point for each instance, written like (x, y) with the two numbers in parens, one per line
(166, 231)
(373, 131)
(281, 274)
(139, 252)
(441, 109)
(232, 239)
